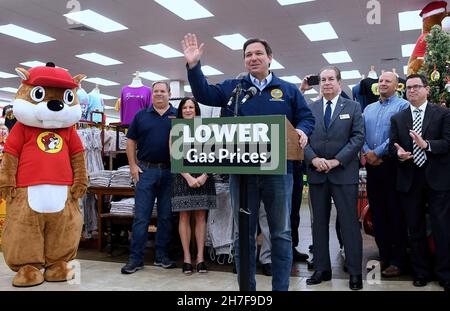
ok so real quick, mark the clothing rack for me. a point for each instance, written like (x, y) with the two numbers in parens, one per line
(119, 127)
(87, 124)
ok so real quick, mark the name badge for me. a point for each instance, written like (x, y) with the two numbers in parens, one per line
(344, 116)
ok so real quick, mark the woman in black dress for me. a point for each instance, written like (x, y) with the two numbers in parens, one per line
(193, 194)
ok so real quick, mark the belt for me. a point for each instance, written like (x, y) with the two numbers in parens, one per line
(160, 165)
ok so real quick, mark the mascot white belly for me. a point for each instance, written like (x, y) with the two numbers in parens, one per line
(47, 198)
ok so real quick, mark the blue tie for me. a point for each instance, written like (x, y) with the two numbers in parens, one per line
(327, 116)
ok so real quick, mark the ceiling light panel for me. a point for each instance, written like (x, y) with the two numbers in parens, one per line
(106, 97)
(350, 74)
(311, 92)
(407, 49)
(152, 76)
(292, 79)
(186, 9)
(6, 75)
(288, 2)
(337, 57)
(162, 50)
(8, 89)
(33, 63)
(101, 81)
(99, 59)
(319, 31)
(235, 41)
(275, 65)
(409, 20)
(96, 21)
(24, 34)
(211, 71)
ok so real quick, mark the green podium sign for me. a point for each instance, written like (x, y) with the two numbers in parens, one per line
(234, 145)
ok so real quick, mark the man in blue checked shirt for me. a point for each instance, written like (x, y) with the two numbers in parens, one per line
(388, 220)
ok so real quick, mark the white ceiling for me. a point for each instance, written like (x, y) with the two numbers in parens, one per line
(150, 23)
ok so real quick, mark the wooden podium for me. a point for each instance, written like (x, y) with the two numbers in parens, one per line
(294, 151)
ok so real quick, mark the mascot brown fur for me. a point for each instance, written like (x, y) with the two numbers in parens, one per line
(42, 184)
(432, 14)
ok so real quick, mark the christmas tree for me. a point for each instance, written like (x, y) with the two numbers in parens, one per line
(436, 65)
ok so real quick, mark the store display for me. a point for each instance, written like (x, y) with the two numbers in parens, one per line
(95, 104)
(43, 168)
(9, 117)
(3, 135)
(133, 98)
(83, 99)
(432, 14)
(437, 66)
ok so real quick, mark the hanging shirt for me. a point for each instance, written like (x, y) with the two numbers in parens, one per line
(83, 99)
(95, 104)
(44, 154)
(358, 97)
(369, 89)
(8, 114)
(133, 99)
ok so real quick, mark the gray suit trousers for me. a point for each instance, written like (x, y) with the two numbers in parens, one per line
(345, 199)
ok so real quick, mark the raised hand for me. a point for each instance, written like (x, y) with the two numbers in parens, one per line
(192, 51)
(304, 86)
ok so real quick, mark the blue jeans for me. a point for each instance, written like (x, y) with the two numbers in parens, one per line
(153, 183)
(275, 191)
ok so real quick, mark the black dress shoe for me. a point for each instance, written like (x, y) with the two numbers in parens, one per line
(267, 269)
(355, 282)
(318, 276)
(420, 281)
(297, 256)
(445, 285)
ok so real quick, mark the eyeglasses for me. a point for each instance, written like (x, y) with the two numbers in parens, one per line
(414, 87)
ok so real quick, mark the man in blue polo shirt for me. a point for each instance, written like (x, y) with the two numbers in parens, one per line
(150, 170)
(273, 97)
(389, 223)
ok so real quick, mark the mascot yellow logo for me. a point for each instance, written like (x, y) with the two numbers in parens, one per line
(276, 93)
(50, 142)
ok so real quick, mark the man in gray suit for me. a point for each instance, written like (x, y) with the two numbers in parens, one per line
(332, 168)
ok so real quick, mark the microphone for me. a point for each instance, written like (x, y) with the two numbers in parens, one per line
(230, 101)
(249, 94)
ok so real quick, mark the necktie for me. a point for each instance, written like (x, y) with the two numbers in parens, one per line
(419, 156)
(327, 116)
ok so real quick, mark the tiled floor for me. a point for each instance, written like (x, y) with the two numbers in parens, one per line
(100, 271)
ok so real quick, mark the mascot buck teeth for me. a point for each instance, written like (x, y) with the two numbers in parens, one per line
(42, 176)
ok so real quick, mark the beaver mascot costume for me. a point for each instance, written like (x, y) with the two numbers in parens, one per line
(42, 176)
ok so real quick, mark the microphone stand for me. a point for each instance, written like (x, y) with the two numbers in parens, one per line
(244, 215)
(236, 99)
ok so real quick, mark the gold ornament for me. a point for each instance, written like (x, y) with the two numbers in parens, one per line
(435, 75)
